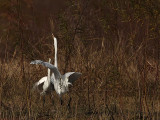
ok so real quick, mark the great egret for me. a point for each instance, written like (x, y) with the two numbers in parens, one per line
(45, 81)
(61, 82)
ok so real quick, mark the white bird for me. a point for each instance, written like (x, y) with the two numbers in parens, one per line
(60, 82)
(45, 81)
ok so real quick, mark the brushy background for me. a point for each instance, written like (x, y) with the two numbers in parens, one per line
(114, 44)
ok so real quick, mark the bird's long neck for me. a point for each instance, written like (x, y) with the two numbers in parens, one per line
(49, 72)
(55, 56)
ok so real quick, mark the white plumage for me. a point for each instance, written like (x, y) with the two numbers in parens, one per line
(60, 82)
(45, 81)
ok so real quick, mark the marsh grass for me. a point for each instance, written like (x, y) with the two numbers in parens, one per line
(112, 86)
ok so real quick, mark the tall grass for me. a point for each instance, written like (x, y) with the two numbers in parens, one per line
(113, 85)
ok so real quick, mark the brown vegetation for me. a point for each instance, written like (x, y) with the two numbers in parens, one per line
(114, 44)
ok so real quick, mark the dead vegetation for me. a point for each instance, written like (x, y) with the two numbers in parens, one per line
(114, 44)
(110, 88)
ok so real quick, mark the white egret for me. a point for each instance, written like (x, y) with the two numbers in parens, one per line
(61, 82)
(45, 81)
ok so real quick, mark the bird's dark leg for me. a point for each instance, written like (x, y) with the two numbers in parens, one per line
(43, 102)
(51, 97)
(69, 103)
(61, 100)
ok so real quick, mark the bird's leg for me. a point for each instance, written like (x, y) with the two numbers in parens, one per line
(51, 97)
(69, 103)
(61, 99)
(43, 102)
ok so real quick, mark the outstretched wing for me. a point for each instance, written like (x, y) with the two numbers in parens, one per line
(72, 76)
(48, 65)
(42, 80)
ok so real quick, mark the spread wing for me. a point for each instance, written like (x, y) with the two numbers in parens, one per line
(72, 76)
(42, 80)
(50, 66)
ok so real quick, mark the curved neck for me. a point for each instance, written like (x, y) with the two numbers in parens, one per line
(55, 56)
(49, 73)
